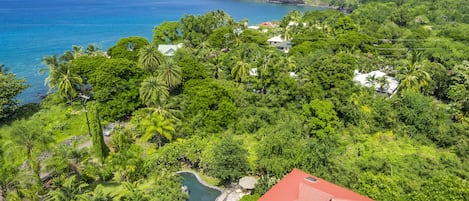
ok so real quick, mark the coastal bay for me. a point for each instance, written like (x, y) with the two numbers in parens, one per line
(31, 30)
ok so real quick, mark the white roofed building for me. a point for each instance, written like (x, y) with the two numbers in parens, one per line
(168, 50)
(280, 44)
(378, 79)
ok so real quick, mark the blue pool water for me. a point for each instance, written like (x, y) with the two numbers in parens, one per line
(197, 191)
(30, 29)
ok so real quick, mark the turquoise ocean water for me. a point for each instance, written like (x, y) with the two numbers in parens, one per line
(30, 29)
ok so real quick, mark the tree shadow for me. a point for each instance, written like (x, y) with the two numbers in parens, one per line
(25, 111)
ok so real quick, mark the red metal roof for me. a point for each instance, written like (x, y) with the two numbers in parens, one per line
(294, 187)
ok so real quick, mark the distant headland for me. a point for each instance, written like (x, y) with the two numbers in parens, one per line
(292, 2)
(315, 3)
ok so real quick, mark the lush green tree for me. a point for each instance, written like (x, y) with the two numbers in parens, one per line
(253, 36)
(166, 32)
(208, 105)
(10, 87)
(377, 186)
(442, 188)
(229, 160)
(127, 48)
(85, 66)
(167, 186)
(222, 38)
(321, 118)
(191, 67)
(282, 146)
(421, 115)
(115, 84)
(196, 29)
(100, 149)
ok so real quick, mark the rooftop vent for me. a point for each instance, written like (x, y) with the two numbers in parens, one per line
(311, 179)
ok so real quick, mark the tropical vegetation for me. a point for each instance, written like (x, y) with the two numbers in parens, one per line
(228, 104)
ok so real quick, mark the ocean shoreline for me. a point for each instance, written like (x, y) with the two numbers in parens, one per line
(303, 4)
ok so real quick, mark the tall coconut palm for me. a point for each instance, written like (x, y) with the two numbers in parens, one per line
(157, 128)
(64, 80)
(50, 62)
(412, 76)
(92, 50)
(77, 51)
(68, 84)
(240, 70)
(153, 92)
(149, 58)
(170, 74)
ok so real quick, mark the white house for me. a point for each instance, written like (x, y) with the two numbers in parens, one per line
(168, 50)
(275, 40)
(280, 44)
(382, 82)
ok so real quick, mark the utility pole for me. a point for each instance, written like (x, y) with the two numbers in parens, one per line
(85, 98)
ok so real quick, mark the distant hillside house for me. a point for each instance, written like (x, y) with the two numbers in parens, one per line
(280, 44)
(382, 82)
(168, 50)
(300, 186)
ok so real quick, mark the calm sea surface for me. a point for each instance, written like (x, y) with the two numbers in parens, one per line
(30, 29)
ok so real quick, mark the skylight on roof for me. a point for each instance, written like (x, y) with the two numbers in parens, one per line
(311, 179)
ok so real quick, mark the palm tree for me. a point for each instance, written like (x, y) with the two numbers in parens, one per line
(66, 82)
(69, 190)
(97, 195)
(287, 33)
(51, 62)
(92, 50)
(241, 70)
(412, 76)
(170, 74)
(77, 51)
(216, 66)
(157, 127)
(149, 58)
(133, 193)
(28, 135)
(153, 92)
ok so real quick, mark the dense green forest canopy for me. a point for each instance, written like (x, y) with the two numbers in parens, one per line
(228, 104)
